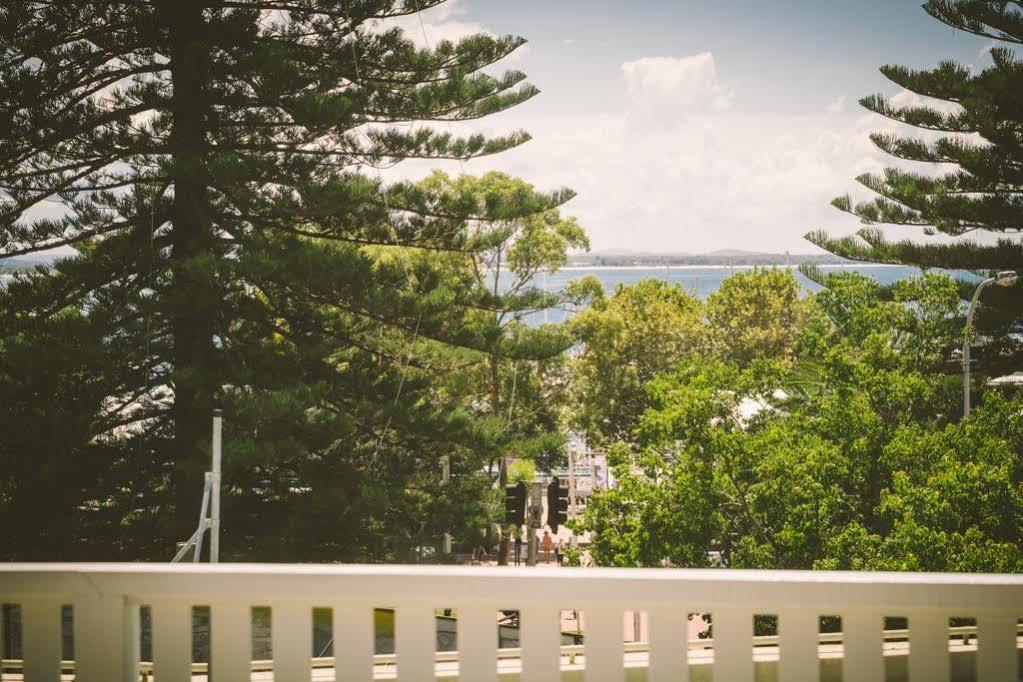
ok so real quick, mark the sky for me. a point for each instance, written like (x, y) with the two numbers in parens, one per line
(697, 125)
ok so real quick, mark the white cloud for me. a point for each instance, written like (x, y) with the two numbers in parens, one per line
(445, 21)
(441, 22)
(984, 51)
(681, 170)
(681, 86)
(838, 106)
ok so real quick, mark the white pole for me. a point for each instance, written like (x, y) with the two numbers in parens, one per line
(215, 507)
(571, 477)
(445, 464)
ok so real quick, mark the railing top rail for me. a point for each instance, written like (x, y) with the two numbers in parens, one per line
(508, 587)
(504, 572)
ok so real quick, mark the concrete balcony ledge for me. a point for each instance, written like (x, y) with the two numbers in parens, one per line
(106, 600)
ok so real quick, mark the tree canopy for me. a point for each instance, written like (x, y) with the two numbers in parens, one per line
(204, 168)
(643, 330)
(959, 175)
(851, 457)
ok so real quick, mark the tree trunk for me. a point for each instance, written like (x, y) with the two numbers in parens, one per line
(502, 467)
(193, 298)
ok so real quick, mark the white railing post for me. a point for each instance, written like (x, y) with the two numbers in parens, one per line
(40, 639)
(540, 638)
(107, 638)
(797, 645)
(172, 640)
(415, 635)
(928, 646)
(604, 644)
(669, 648)
(231, 641)
(353, 633)
(997, 657)
(291, 627)
(862, 640)
(477, 643)
(733, 644)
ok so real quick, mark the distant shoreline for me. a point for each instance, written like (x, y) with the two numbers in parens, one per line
(712, 259)
(742, 266)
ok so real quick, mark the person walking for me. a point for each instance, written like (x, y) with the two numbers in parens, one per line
(557, 553)
(547, 545)
(518, 549)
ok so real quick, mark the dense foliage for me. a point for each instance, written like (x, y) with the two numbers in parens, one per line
(848, 454)
(514, 386)
(625, 341)
(202, 164)
(644, 330)
(960, 174)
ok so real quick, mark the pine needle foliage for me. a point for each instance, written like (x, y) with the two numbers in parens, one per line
(973, 122)
(203, 168)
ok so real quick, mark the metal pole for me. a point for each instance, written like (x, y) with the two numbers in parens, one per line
(535, 515)
(215, 502)
(445, 464)
(571, 477)
(967, 342)
(203, 521)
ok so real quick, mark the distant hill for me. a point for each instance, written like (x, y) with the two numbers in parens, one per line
(719, 257)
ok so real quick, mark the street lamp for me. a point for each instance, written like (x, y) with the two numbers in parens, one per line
(1005, 278)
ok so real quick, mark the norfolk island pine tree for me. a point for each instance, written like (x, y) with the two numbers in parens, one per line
(215, 230)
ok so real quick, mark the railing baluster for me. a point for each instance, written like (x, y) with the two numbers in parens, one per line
(231, 641)
(540, 638)
(797, 645)
(997, 658)
(669, 648)
(415, 634)
(477, 643)
(172, 641)
(928, 647)
(291, 631)
(106, 639)
(353, 642)
(604, 645)
(862, 640)
(40, 640)
(733, 644)
(105, 602)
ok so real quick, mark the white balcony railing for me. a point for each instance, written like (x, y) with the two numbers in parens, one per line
(106, 601)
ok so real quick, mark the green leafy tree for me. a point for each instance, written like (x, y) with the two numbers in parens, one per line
(625, 340)
(647, 329)
(756, 313)
(873, 472)
(198, 165)
(517, 382)
(972, 122)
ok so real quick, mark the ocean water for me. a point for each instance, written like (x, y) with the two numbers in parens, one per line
(700, 280)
